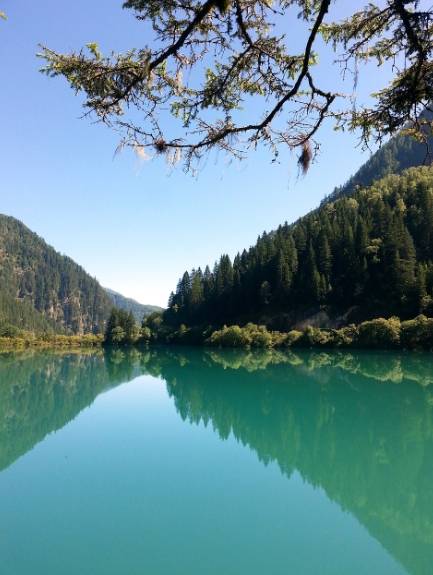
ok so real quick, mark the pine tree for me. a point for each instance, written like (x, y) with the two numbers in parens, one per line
(324, 255)
(420, 287)
(364, 252)
(265, 293)
(196, 298)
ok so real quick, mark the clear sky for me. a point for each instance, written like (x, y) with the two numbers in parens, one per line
(135, 226)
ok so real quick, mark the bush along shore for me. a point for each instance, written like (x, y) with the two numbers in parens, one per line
(377, 333)
(25, 340)
(380, 333)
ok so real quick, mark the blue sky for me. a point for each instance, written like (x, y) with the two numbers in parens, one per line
(135, 226)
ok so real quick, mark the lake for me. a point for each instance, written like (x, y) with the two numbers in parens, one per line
(191, 461)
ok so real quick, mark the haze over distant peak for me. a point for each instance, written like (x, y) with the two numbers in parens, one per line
(138, 309)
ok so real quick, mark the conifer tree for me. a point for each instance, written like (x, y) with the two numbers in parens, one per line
(365, 253)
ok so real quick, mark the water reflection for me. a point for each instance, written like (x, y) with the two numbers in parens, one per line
(40, 392)
(360, 426)
(369, 446)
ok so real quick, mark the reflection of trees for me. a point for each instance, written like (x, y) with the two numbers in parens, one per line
(41, 392)
(381, 366)
(369, 446)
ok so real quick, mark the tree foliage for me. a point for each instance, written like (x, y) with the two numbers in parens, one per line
(399, 153)
(366, 255)
(209, 59)
(121, 328)
(42, 290)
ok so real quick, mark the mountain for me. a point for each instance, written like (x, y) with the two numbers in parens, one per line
(357, 257)
(400, 153)
(41, 289)
(139, 310)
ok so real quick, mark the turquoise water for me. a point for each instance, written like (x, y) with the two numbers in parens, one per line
(178, 461)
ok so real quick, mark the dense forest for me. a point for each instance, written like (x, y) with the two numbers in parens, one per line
(365, 252)
(42, 291)
(17, 315)
(358, 257)
(36, 278)
(400, 153)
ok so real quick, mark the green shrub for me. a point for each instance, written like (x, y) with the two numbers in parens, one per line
(345, 336)
(145, 335)
(380, 333)
(417, 333)
(314, 336)
(7, 330)
(232, 336)
(279, 339)
(293, 337)
(258, 335)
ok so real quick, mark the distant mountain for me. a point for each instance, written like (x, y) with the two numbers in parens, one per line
(139, 310)
(40, 289)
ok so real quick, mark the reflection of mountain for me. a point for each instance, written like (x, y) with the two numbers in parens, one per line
(339, 419)
(369, 446)
(42, 392)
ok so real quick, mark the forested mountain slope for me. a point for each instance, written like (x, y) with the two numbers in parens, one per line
(41, 289)
(400, 153)
(362, 256)
(139, 310)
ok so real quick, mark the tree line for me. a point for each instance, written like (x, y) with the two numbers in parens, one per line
(42, 290)
(359, 257)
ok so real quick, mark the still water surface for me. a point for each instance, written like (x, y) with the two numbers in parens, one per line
(178, 461)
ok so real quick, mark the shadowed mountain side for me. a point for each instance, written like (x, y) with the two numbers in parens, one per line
(369, 446)
(41, 392)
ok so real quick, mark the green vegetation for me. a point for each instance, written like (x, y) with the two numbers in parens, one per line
(378, 333)
(121, 328)
(399, 154)
(351, 260)
(42, 290)
(11, 339)
(317, 283)
(206, 61)
(43, 293)
(250, 336)
(139, 310)
(16, 315)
